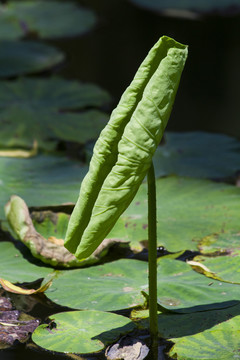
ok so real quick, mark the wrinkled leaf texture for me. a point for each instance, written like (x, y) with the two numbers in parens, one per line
(122, 155)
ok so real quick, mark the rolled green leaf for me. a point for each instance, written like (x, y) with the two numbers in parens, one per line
(123, 152)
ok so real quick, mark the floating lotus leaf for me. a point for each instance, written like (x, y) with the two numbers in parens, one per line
(49, 19)
(18, 58)
(172, 325)
(183, 290)
(15, 268)
(219, 342)
(190, 8)
(197, 154)
(36, 109)
(112, 286)
(224, 242)
(225, 267)
(43, 180)
(187, 210)
(82, 331)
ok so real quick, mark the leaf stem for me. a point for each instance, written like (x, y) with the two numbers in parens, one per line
(152, 261)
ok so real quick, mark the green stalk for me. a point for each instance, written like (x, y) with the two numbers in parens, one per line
(152, 261)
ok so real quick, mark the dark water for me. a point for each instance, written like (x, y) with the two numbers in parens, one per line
(208, 97)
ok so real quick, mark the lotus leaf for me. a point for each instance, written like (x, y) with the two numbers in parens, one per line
(219, 342)
(183, 290)
(189, 210)
(82, 331)
(123, 153)
(112, 286)
(49, 19)
(189, 8)
(15, 268)
(36, 109)
(43, 180)
(26, 57)
(197, 154)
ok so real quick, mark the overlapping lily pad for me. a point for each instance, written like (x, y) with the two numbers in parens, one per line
(172, 325)
(198, 154)
(36, 109)
(43, 180)
(19, 57)
(15, 268)
(46, 239)
(49, 19)
(218, 342)
(183, 290)
(224, 242)
(188, 209)
(183, 8)
(82, 331)
(112, 286)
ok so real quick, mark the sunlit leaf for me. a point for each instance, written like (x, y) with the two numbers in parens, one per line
(82, 331)
(224, 242)
(188, 209)
(182, 289)
(225, 267)
(48, 19)
(218, 342)
(10, 287)
(18, 58)
(111, 286)
(15, 268)
(123, 152)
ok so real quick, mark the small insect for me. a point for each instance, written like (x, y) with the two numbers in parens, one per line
(51, 325)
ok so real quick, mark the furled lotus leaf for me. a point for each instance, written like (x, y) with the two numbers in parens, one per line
(123, 153)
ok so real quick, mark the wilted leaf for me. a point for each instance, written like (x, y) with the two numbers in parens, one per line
(15, 268)
(20, 153)
(224, 268)
(8, 286)
(82, 331)
(48, 244)
(224, 242)
(18, 58)
(14, 325)
(47, 19)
